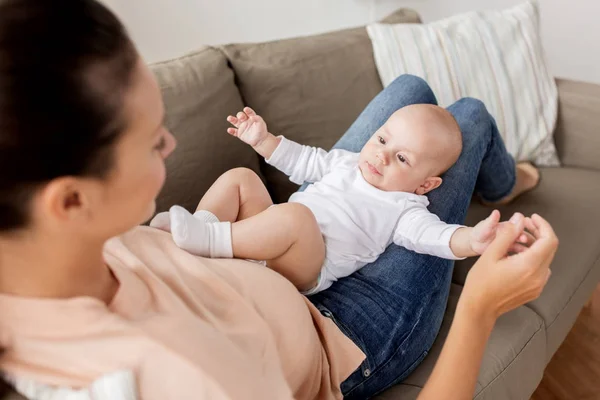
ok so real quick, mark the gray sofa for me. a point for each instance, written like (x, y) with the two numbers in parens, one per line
(310, 89)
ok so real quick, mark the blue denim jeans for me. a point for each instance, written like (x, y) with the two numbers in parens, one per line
(393, 308)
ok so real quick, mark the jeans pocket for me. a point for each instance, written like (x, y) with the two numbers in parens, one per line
(365, 366)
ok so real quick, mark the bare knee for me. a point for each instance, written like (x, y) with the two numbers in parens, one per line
(297, 216)
(303, 260)
(241, 176)
(301, 221)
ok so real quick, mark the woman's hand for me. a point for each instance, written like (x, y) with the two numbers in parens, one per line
(250, 128)
(499, 282)
(496, 284)
(484, 233)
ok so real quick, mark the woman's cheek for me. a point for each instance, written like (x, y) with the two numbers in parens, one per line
(158, 176)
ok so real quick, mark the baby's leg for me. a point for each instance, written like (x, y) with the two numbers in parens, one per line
(237, 194)
(288, 237)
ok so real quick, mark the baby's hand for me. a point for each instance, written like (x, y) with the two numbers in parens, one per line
(485, 232)
(249, 127)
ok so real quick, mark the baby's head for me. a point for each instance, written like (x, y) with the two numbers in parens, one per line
(410, 152)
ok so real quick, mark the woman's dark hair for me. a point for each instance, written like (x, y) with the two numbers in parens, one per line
(65, 66)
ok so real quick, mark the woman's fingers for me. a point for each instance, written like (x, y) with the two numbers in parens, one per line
(531, 227)
(526, 238)
(540, 254)
(548, 275)
(505, 237)
(518, 248)
(546, 233)
(543, 227)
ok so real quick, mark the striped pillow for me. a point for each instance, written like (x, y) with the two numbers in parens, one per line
(495, 56)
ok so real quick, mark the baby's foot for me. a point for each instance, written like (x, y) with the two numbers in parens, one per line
(162, 220)
(189, 233)
(528, 177)
(199, 237)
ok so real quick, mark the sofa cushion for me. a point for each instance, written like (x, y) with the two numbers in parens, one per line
(308, 89)
(577, 134)
(199, 92)
(513, 364)
(568, 198)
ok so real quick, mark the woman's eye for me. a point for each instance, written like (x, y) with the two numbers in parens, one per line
(401, 158)
(381, 140)
(161, 144)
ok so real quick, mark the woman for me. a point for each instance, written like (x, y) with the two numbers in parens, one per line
(82, 149)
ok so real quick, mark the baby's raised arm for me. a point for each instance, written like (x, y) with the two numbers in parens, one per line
(251, 129)
(300, 163)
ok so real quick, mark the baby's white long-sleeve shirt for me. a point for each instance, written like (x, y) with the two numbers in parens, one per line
(357, 220)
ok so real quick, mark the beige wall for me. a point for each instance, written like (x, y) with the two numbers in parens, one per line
(167, 28)
(570, 30)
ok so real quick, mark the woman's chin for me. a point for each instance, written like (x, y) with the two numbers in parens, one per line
(151, 210)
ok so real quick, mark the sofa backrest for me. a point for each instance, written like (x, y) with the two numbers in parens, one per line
(309, 89)
(199, 92)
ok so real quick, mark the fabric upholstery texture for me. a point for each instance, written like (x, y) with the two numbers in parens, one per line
(199, 92)
(577, 133)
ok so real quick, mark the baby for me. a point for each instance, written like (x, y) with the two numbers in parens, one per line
(358, 205)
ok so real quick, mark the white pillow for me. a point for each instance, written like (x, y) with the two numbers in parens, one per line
(494, 56)
(119, 385)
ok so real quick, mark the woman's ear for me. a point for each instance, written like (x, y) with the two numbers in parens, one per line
(430, 183)
(63, 200)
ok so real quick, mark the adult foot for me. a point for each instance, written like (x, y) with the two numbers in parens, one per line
(528, 177)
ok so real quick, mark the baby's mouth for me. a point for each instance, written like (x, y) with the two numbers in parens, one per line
(373, 169)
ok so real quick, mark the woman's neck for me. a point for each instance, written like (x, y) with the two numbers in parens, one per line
(54, 267)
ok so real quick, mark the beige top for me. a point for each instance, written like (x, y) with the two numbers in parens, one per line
(189, 327)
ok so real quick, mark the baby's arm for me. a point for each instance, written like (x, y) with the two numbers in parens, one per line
(300, 163)
(422, 231)
(469, 242)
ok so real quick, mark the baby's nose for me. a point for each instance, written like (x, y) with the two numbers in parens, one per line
(382, 157)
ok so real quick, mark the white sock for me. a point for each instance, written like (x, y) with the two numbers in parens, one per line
(206, 216)
(162, 220)
(207, 239)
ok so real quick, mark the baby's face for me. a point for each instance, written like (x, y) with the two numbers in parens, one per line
(408, 150)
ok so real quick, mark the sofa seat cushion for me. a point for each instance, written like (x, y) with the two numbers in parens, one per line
(199, 92)
(515, 354)
(568, 198)
(308, 89)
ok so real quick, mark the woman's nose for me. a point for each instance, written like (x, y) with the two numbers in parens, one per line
(170, 146)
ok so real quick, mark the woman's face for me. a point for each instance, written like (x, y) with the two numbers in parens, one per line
(127, 196)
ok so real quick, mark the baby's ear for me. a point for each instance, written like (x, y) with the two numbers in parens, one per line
(430, 183)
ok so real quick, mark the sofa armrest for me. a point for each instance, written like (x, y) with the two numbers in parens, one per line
(577, 134)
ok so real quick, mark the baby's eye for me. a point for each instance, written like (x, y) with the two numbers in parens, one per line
(381, 140)
(401, 158)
